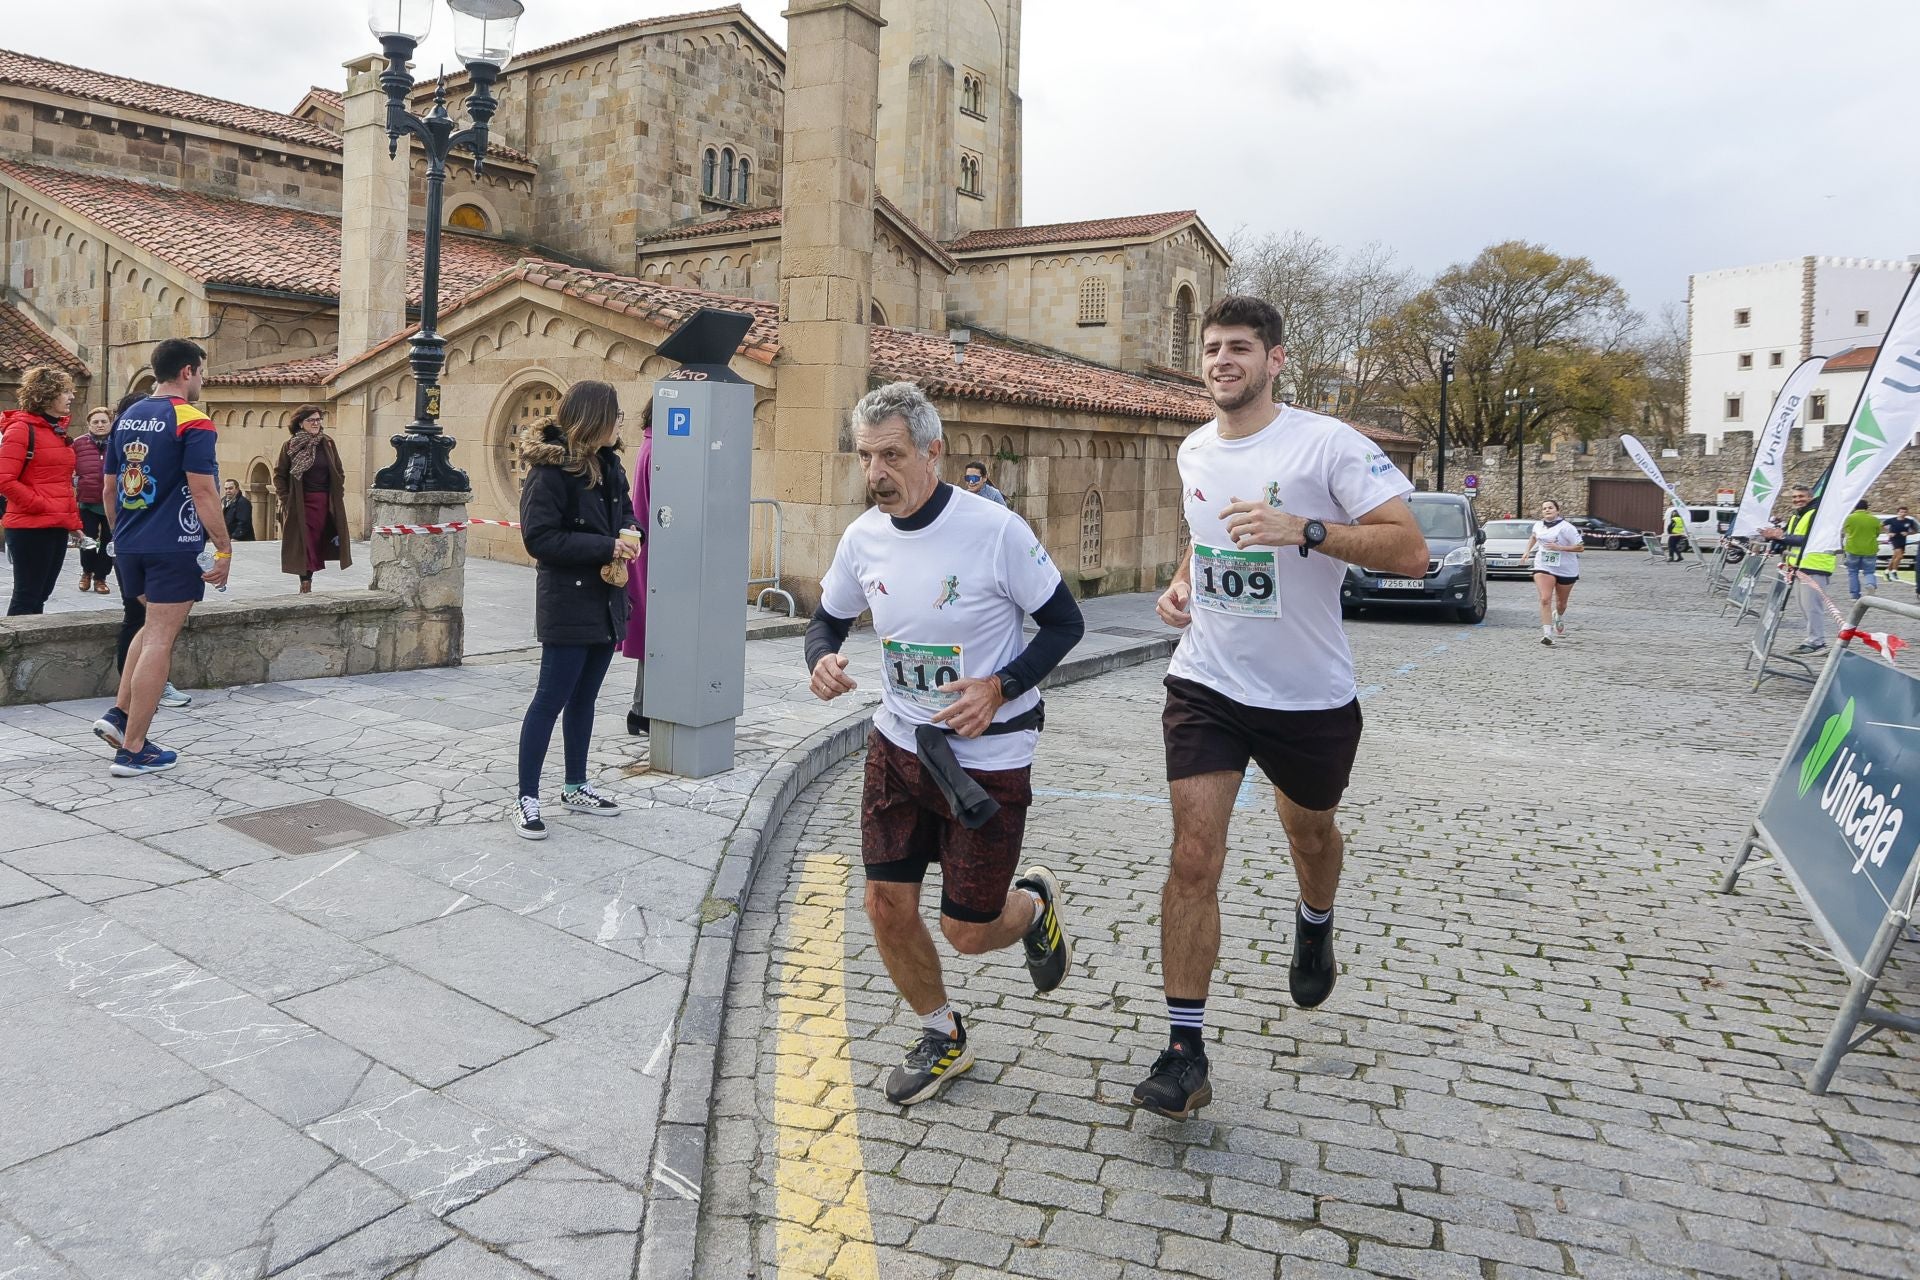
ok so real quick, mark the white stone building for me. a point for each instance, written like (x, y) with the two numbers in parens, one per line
(1749, 326)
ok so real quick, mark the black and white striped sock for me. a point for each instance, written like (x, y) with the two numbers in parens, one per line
(1189, 1022)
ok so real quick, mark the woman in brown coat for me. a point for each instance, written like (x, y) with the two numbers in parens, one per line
(312, 487)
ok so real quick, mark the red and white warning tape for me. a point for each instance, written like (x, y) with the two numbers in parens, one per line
(1885, 643)
(451, 527)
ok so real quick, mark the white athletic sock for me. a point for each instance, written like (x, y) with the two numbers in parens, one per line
(1039, 906)
(941, 1020)
(1546, 629)
(1311, 916)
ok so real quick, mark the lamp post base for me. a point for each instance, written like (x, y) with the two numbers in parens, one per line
(422, 464)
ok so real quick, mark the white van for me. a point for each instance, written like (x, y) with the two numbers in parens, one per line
(1705, 525)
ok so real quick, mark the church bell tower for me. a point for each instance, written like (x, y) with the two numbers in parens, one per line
(949, 142)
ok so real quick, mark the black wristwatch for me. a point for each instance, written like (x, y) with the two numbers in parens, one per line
(1315, 533)
(1010, 686)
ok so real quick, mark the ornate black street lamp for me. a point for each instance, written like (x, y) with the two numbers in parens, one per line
(483, 39)
(1520, 405)
(1440, 454)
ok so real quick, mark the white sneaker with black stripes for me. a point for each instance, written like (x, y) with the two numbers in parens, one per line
(585, 799)
(526, 819)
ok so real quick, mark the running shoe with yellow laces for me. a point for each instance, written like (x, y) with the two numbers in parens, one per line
(934, 1062)
(1049, 953)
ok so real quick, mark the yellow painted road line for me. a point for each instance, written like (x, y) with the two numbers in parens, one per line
(823, 1231)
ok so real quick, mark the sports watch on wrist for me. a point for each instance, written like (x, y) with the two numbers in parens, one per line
(1315, 533)
(1010, 686)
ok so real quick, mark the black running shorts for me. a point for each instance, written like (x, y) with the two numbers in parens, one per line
(1563, 579)
(1308, 755)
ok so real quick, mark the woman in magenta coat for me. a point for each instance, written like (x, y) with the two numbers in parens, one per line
(635, 644)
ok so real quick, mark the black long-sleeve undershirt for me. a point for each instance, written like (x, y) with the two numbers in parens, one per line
(1061, 628)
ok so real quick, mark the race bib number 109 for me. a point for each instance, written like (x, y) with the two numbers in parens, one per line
(1241, 583)
(920, 673)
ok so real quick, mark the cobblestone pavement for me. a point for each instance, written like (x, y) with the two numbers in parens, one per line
(1555, 1050)
(430, 1050)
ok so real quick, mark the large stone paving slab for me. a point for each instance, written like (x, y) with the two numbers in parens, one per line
(416, 1026)
(196, 1189)
(1554, 1049)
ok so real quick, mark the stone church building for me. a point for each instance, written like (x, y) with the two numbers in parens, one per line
(858, 192)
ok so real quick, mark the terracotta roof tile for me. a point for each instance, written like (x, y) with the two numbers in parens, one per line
(308, 371)
(743, 221)
(57, 77)
(1858, 360)
(23, 344)
(1007, 376)
(220, 240)
(1145, 224)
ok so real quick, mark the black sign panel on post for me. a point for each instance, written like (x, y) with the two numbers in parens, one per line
(1840, 822)
(1771, 663)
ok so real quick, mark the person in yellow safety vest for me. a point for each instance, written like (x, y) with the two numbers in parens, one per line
(1676, 536)
(1813, 569)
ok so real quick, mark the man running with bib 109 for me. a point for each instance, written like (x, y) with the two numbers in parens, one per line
(947, 576)
(1277, 501)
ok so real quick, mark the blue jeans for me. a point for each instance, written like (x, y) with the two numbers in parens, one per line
(1856, 566)
(570, 676)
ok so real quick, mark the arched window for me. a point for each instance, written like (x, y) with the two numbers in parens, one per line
(1093, 300)
(744, 193)
(1182, 352)
(470, 217)
(875, 315)
(709, 166)
(726, 174)
(540, 400)
(1091, 534)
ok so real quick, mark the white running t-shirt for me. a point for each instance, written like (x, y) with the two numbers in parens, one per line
(947, 602)
(1266, 622)
(1548, 556)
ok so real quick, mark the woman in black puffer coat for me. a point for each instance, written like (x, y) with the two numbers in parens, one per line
(573, 506)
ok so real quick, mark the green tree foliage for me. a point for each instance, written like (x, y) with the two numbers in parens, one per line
(1554, 332)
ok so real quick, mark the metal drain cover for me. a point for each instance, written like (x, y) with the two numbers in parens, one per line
(312, 826)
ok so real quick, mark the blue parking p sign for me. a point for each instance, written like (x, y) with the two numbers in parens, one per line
(679, 421)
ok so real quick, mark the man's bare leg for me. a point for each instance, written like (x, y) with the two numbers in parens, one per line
(1318, 851)
(1190, 901)
(905, 945)
(148, 659)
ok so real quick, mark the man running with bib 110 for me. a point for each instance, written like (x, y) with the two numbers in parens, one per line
(947, 576)
(1278, 501)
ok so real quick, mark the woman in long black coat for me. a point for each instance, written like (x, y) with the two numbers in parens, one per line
(574, 505)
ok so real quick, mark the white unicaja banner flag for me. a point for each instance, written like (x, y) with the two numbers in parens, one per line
(1883, 422)
(1769, 459)
(1638, 452)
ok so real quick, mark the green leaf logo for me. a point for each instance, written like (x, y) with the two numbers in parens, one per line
(1831, 735)
(1762, 487)
(1868, 438)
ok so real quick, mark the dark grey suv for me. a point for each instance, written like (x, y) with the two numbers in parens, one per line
(1456, 577)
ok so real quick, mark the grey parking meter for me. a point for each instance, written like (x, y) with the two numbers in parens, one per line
(697, 548)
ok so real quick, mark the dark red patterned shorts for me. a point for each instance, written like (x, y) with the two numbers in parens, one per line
(905, 825)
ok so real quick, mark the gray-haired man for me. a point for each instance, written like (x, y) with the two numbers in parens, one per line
(947, 577)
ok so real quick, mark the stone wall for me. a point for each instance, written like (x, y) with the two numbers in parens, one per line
(1036, 297)
(59, 656)
(909, 287)
(1155, 274)
(1697, 474)
(93, 137)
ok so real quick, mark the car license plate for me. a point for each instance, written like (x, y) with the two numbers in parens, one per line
(1401, 584)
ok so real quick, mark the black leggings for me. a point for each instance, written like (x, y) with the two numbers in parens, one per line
(570, 676)
(37, 555)
(133, 616)
(96, 563)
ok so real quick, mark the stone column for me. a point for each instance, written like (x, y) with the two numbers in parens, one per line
(826, 273)
(428, 571)
(373, 223)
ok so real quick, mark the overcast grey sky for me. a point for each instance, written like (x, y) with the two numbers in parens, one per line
(1658, 137)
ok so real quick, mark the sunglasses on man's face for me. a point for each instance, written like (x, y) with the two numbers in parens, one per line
(972, 479)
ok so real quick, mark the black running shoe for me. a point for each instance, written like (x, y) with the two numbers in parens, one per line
(1177, 1086)
(637, 725)
(1314, 969)
(1049, 953)
(930, 1066)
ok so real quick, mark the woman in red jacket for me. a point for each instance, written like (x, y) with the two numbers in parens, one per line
(89, 458)
(36, 479)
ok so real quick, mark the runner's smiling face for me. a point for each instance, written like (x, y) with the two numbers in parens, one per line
(899, 477)
(1237, 366)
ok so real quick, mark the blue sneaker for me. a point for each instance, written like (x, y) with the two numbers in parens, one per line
(150, 758)
(111, 727)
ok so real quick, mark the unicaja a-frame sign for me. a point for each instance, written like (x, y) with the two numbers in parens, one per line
(1839, 824)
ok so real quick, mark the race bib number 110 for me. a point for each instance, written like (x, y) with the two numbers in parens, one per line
(1241, 583)
(920, 673)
